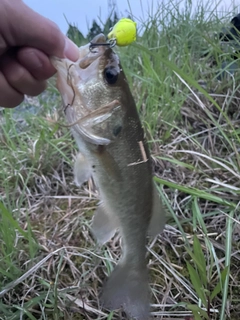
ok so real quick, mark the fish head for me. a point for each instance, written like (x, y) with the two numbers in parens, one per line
(95, 80)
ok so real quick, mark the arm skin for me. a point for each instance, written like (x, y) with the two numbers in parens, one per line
(27, 39)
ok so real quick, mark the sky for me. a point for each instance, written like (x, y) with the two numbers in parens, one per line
(82, 12)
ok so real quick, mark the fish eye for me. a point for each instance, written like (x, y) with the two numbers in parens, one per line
(111, 75)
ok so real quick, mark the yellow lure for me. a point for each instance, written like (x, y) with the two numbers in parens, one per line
(124, 32)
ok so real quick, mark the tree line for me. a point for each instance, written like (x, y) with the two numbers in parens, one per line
(76, 35)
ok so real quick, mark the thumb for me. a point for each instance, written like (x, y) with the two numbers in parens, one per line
(25, 27)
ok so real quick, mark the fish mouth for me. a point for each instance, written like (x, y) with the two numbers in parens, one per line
(96, 48)
(87, 56)
(93, 58)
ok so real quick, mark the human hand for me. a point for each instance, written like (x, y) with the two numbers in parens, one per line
(27, 39)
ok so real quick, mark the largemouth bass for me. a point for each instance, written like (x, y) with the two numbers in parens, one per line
(102, 113)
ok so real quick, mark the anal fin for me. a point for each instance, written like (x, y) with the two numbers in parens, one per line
(82, 170)
(104, 225)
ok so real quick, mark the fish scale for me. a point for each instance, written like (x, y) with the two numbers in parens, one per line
(114, 152)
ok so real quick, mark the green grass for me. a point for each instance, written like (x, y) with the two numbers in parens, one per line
(50, 267)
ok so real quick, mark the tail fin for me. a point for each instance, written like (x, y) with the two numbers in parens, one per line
(127, 287)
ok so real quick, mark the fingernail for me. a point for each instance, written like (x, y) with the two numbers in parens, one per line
(71, 51)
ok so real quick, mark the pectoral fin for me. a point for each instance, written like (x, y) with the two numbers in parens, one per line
(157, 221)
(82, 170)
(104, 226)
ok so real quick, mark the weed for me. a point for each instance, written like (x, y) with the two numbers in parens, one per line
(50, 267)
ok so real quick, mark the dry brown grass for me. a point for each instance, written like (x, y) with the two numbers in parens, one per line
(64, 278)
(55, 270)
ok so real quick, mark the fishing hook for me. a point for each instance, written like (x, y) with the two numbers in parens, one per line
(111, 43)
